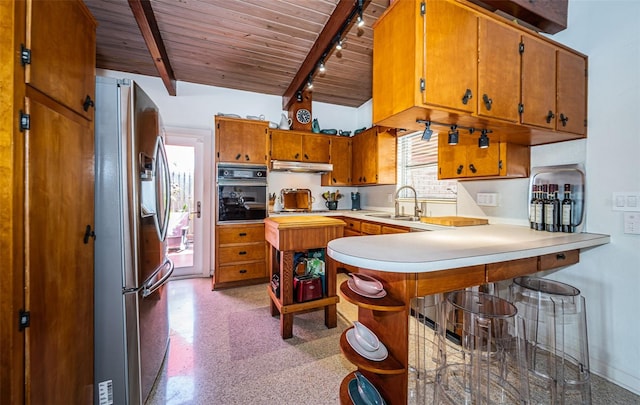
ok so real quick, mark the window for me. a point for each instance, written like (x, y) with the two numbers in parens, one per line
(418, 167)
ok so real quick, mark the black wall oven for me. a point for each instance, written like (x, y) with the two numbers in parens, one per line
(241, 193)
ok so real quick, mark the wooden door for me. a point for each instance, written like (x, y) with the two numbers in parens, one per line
(498, 71)
(316, 148)
(341, 160)
(538, 83)
(572, 93)
(357, 158)
(450, 49)
(61, 37)
(286, 145)
(241, 141)
(59, 264)
(369, 155)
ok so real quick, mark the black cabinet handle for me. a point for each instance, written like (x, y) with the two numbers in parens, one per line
(467, 96)
(334, 180)
(242, 234)
(238, 156)
(306, 156)
(487, 102)
(88, 233)
(564, 119)
(243, 271)
(246, 157)
(561, 256)
(88, 103)
(297, 155)
(550, 116)
(459, 169)
(242, 253)
(472, 168)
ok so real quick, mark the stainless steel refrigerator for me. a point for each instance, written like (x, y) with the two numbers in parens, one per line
(132, 202)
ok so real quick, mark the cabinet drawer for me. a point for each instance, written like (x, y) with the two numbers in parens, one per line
(393, 229)
(241, 253)
(370, 229)
(239, 272)
(553, 260)
(349, 232)
(240, 234)
(352, 224)
(511, 269)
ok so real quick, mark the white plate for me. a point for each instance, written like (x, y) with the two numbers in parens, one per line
(352, 287)
(376, 355)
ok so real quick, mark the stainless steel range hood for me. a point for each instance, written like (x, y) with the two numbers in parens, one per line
(300, 167)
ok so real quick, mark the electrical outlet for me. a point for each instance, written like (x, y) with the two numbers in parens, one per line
(487, 199)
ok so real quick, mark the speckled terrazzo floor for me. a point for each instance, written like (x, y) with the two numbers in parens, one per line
(225, 348)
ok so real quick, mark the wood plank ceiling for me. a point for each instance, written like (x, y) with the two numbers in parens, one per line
(252, 45)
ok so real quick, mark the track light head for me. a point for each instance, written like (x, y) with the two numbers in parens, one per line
(321, 68)
(453, 135)
(426, 135)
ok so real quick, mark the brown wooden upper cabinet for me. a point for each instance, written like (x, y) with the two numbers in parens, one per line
(241, 141)
(57, 50)
(300, 146)
(374, 157)
(341, 161)
(453, 62)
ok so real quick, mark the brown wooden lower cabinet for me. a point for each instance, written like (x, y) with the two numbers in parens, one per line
(241, 255)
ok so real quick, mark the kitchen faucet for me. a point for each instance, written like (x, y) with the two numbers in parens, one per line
(416, 210)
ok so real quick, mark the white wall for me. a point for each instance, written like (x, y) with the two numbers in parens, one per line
(608, 276)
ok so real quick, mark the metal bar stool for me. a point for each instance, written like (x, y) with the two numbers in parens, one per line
(556, 333)
(481, 352)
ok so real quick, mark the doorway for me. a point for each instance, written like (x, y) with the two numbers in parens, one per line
(189, 220)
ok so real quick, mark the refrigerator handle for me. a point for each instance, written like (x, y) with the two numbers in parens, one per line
(150, 289)
(163, 193)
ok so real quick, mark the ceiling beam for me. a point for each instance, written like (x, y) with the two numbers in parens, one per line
(148, 25)
(334, 25)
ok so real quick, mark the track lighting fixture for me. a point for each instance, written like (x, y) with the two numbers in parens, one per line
(298, 96)
(483, 141)
(310, 83)
(321, 68)
(360, 21)
(453, 135)
(426, 135)
(339, 44)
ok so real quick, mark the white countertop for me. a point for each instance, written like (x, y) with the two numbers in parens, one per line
(450, 248)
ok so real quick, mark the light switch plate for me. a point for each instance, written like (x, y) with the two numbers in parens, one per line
(632, 223)
(626, 201)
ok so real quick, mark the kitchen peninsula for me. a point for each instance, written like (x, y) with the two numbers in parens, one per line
(424, 263)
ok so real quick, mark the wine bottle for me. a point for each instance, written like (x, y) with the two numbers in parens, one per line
(549, 211)
(567, 210)
(540, 207)
(556, 210)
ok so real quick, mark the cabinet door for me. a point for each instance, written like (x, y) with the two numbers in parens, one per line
(572, 93)
(59, 263)
(286, 145)
(498, 70)
(538, 83)
(450, 49)
(466, 159)
(61, 36)
(316, 148)
(341, 160)
(365, 152)
(451, 159)
(239, 141)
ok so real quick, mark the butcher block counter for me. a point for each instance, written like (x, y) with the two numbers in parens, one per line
(425, 263)
(287, 235)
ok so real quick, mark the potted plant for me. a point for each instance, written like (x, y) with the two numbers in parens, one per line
(331, 199)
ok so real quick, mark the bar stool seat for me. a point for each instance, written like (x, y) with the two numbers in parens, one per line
(480, 352)
(557, 350)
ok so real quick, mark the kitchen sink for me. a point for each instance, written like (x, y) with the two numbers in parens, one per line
(394, 217)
